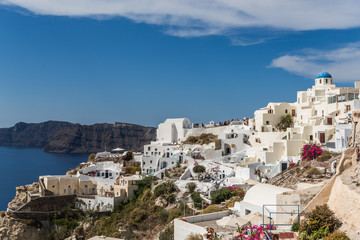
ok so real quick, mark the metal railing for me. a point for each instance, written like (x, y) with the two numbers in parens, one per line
(268, 212)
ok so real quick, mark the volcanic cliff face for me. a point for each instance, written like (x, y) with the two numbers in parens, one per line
(55, 136)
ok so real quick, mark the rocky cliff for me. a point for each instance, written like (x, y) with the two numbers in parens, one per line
(55, 136)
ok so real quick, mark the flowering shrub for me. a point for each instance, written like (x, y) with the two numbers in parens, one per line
(291, 164)
(226, 193)
(237, 192)
(310, 151)
(252, 233)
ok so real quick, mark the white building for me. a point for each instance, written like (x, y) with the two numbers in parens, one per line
(159, 156)
(315, 112)
(342, 135)
(173, 130)
(272, 197)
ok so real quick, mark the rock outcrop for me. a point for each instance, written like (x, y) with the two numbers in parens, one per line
(16, 229)
(342, 192)
(55, 136)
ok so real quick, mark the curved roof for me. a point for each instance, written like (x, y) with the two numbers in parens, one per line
(324, 75)
(261, 194)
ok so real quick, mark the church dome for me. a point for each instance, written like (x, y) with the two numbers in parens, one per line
(324, 75)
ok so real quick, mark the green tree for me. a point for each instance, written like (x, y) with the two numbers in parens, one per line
(199, 169)
(221, 195)
(286, 121)
(128, 156)
(320, 222)
(191, 186)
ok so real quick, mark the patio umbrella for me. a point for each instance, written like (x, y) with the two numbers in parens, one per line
(255, 219)
(230, 221)
(117, 150)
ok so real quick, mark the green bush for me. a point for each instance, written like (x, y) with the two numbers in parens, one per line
(175, 213)
(137, 216)
(319, 222)
(197, 199)
(204, 138)
(338, 236)
(128, 156)
(163, 215)
(91, 157)
(143, 184)
(212, 209)
(295, 227)
(167, 234)
(199, 169)
(194, 236)
(166, 190)
(286, 121)
(220, 195)
(191, 186)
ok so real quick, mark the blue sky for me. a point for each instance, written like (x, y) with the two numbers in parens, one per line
(141, 62)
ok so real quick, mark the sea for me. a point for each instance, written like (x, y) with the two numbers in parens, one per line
(23, 165)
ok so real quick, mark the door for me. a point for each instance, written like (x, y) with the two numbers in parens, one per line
(283, 166)
(293, 113)
(69, 190)
(329, 121)
(106, 173)
(322, 137)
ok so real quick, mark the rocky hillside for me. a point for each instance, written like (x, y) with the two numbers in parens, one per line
(55, 136)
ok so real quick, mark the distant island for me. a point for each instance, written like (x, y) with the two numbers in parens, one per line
(65, 137)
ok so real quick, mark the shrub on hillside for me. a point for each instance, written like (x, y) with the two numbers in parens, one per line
(310, 151)
(326, 155)
(199, 169)
(191, 186)
(143, 184)
(337, 236)
(197, 199)
(167, 234)
(286, 121)
(220, 195)
(128, 156)
(166, 190)
(212, 209)
(313, 171)
(194, 236)
(320, 222)
(295, 227)
(163, 215)
(91, 157)
(204, 138)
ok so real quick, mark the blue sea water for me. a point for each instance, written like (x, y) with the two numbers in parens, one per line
(20, 166)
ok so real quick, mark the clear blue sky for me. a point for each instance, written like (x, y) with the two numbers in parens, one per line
(93, 63)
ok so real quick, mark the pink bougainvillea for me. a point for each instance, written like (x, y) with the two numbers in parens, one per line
(237, 191)
(310, 151)
(254, 232)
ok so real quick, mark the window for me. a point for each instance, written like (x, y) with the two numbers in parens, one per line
(149, 148)
(320, 81)
(150, 161)
(326, 80)
(348, 108)
(53, 186)
(64, 190)
(286, 111)
(102, 174)
(74, 191)
(267, 122)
